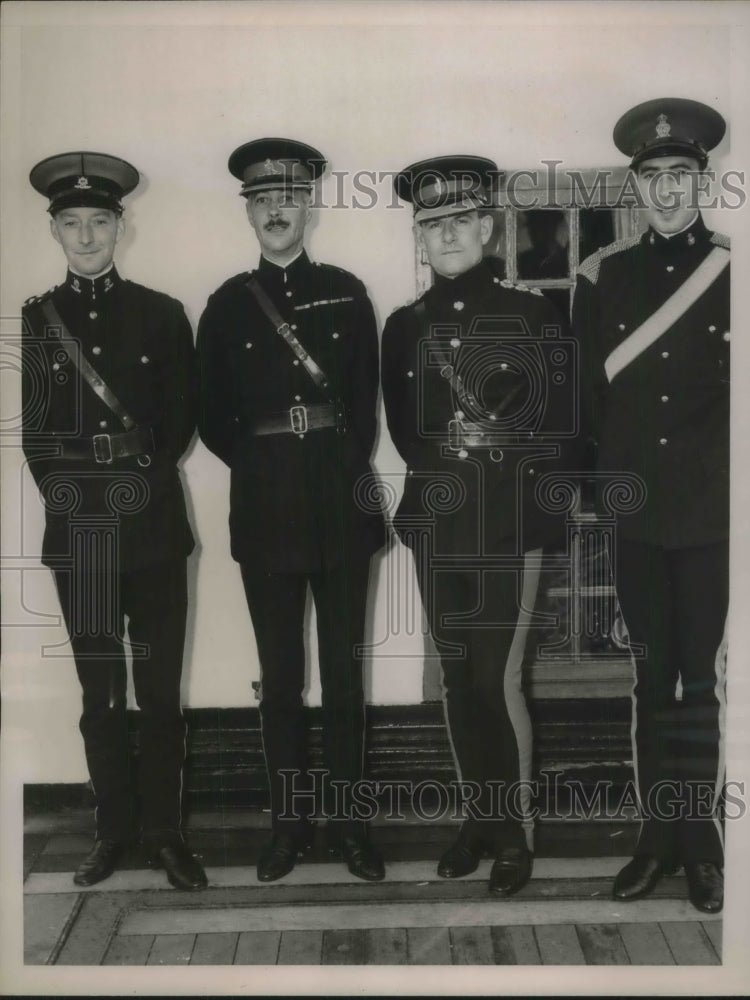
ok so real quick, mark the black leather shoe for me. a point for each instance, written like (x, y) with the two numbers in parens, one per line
(462, 857)
(705, 886)
(183, 870)
(279, 857)
(99, 863)
(511, 870)
(361, 858)
(639, 877)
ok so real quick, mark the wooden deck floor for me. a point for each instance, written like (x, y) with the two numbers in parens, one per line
(320, 915)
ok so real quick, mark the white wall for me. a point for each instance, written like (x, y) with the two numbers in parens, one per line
(174, 88)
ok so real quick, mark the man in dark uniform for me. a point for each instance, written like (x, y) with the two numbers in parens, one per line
(478, 416)
(652, 316)
(108, 387)
(289, 368)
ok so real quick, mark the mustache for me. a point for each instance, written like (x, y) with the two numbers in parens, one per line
(276, 224)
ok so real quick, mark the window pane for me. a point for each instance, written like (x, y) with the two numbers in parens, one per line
(542, 241)
(497, 245)
(597, 229)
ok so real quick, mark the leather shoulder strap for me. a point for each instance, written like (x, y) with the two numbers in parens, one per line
(284, 330)
(668, 313)
(88, 372)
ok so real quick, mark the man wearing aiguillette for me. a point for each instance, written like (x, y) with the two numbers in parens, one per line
(652, 316)
(289, 369)
(473, 411)
(109, 409)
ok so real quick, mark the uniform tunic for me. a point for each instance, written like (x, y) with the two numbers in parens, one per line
(665, 417)
(292, 498)
(117, 534)
(294, 514)
(458, 512)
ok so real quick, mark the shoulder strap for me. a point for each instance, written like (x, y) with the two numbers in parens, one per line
(283, 329)
(668, 313)
(89, 373)
(466, 398)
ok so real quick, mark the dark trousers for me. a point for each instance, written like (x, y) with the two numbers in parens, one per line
(95, 604)
(674, 602)
(277, 608)
(488, 719)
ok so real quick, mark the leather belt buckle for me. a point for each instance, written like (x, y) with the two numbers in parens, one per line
(298, 419)
(103, 449)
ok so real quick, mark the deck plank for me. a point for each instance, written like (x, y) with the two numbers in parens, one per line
(344, 947)
(300, 948)
(602, 944)
(386, 946)
(428, 946)
(131, 950)
(257, 948)
(171, 949)
(689, 943)
(559, 945)
(93, 928)
(515, 946)
(645, 944)
(44, 921)
(713, 929)
(472, 946)
(214, 949)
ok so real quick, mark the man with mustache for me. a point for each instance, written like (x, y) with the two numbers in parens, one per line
(109, 409)
(289, 365)
(652, 316)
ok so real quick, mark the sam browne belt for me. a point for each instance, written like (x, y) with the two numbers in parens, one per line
(105, 448)
(300, 420)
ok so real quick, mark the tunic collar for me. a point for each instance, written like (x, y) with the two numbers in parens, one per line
(696, 235)
(275, 272)
(464, 287)
(93, 288)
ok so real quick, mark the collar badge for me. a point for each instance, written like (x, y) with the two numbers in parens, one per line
(76, 285)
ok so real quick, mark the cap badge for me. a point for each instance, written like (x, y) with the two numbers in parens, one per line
(270, 167)
(82, 184)
(663, 128)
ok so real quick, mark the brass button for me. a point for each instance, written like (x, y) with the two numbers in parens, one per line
(96, 350)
